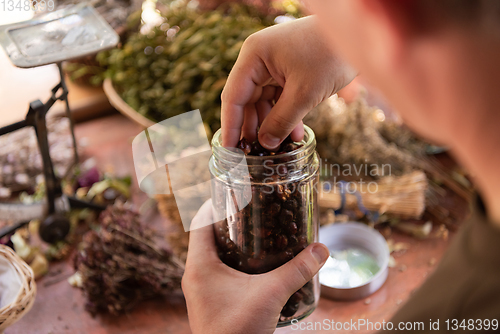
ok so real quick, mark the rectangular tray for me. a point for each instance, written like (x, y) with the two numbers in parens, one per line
(69, 33)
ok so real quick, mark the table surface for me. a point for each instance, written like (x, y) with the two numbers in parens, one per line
(59, 308)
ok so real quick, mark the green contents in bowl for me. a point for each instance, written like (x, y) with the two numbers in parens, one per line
(348, 268)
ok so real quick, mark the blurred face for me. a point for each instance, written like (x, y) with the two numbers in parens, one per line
(372, 42)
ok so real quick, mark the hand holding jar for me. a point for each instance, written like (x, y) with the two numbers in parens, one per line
(223, 300)
(255, 268)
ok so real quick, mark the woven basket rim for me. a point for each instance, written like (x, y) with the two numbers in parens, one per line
(25, 298)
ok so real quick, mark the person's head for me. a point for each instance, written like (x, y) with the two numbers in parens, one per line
(424, 55)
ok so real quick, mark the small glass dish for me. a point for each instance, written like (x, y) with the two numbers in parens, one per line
(362, 244)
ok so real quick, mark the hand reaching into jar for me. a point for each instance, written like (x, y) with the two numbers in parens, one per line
(282, 73)
(223, 300)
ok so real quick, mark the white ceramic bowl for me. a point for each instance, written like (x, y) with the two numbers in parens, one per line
(338, 237)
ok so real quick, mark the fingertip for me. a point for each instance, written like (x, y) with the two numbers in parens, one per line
(230, 137)
(232, 117)
(269, 142)
(298, 133)
(320, 252)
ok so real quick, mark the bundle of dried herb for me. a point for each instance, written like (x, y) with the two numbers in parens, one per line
(401, 196)
(120, 264)
(349, 135)
(359, 135)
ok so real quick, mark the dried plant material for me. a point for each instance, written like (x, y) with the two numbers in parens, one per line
(30, 254)
(416, 230)
(397, 246)
(182, 64)
(358, 134)
(340, 218)
(59, 250)
(442, 232)
(328, 218)
(20, 159)
(39, 265)
(20, 241)
(386, 232)
(401, 246)
(120, 264)
(392, 262)
(461, 179)
(76, 280)
(349, 134)
(402, 196)
(441, 175)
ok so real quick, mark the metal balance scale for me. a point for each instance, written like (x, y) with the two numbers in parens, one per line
(51, 38)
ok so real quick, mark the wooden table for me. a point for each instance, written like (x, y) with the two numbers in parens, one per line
(59, 308)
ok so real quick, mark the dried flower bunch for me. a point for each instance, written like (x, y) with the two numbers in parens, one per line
(352, 134)
(120, 264)
(357, 135)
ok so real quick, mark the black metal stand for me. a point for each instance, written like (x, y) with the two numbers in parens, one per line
(64, 97)
(55, 227)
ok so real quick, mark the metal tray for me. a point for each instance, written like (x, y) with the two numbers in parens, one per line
(69, 33)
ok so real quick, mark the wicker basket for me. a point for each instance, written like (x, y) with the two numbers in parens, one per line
(17, 287)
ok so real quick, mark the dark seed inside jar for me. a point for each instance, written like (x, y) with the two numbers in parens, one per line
(292, 305)
(272, 229)
(292, 228)
(256, 149)
(245, 146)
(307, 293)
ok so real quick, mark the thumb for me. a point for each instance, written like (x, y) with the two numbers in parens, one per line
(293, 104)
(294, 274)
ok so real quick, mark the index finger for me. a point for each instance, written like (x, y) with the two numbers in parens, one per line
(243, 86)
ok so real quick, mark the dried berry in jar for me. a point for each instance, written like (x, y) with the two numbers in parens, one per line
(256, 149)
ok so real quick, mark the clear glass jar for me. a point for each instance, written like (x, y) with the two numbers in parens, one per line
(278, 218)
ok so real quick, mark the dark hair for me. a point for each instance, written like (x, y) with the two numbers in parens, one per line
(434, 13)
(454, 10)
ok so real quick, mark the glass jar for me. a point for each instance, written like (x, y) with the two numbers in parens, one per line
(267, 212)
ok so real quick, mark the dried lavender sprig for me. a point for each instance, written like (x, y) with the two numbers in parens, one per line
(121, 265)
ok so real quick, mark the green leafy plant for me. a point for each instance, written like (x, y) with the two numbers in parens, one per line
(182, 64)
